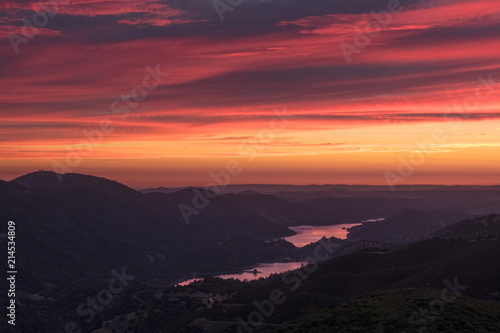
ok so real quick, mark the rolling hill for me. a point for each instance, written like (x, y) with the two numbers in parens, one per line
(86, 226)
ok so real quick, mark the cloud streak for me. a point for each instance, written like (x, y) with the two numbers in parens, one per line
(226, 77)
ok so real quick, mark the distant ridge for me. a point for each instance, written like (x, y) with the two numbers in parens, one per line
(482, 227)
(334, 188)
(162, 189)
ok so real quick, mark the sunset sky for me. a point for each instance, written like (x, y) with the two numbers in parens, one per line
(270, 86)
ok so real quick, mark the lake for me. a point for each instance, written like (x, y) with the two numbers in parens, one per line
(264, 270)
(306, 234)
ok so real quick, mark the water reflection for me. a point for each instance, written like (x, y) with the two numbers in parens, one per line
(307, 234)
(263, 270)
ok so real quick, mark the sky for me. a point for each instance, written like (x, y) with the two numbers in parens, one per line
(170, 92)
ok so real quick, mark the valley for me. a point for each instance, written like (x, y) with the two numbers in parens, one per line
(249, 263)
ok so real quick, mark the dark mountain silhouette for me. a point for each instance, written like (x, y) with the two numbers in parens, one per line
(224, 214)
(435, 264)
(276, 209)
(483, 227)
(87, 225)
(401, 310)
(72, 233)
(336, 204)
(47, 179)
(406, 226)
(351, 210)
(351, 293)
(162, 189)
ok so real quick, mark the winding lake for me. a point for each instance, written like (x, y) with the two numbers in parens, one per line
(306, 234)
(263, 271)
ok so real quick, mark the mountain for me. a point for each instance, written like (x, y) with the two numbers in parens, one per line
(324, 210)
(407, 226)
(85, 226)
(424, 264)
(224, 214)
(82, 226)
(162, 189)
(483, 227)
(401, 310)
(276, 209)
(435, 264)
(337, 204)
(435, 285)
(75, 236)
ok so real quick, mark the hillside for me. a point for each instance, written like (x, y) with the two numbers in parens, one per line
(86, 226)
(72, 235)
(224, 217)
(401, 310)
(484, 227)
(380, 281)
(407, 226)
